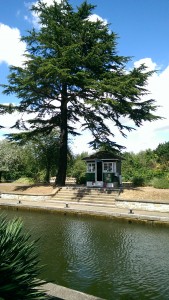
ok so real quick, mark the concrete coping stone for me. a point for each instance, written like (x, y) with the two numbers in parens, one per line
(25, 196)
(62, 293)
(143, 201)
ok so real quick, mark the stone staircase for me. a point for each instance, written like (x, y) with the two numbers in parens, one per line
(83, 195)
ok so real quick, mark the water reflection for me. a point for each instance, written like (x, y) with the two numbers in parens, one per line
(109, 259)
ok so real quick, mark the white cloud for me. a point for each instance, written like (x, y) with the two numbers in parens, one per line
(151, 66)
(95, 18)
(50, 2)
(12, 49)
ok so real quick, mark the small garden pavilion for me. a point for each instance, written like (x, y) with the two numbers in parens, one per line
(103, 170)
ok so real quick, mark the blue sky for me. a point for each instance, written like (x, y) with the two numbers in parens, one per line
(143, 30)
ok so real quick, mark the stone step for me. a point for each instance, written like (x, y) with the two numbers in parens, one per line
(73, 194)
(95, 200)
(89, 199)
(86, 192)
(90, 190)
(69, 202)
(77, 195)
(86, 195)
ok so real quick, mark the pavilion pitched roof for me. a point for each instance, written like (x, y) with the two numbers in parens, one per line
(103, 155)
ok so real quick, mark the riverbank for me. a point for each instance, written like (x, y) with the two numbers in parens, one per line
(143, 216)
(144, 204)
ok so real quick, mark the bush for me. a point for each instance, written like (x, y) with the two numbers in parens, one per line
(25, 180)
(79, 172)
(18, 263)
(160, 183)
(81, 179)
(138, 181)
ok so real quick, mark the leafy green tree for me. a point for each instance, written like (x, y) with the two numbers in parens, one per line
(31, 163)
(140, 167)
(73, 74)
(11, 163)
(43, 150)
(46, 149)
(147, 167)
(162, 151)
(19, 268)
(40, 154)
(127, 166)
(79, 168)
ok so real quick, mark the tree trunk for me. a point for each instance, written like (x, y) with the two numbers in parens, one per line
(62, 166)
(47, 175)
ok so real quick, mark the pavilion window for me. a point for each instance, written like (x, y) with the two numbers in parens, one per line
(91, 167)
(109, 167)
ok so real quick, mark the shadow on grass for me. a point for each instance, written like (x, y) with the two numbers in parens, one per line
(29, 186)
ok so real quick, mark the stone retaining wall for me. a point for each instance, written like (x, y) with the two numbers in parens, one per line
(142, 205)
(25, 197)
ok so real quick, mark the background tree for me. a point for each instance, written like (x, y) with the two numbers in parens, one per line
(73, 74)
(162, 152)
(149, 167)
(11, 163)
(79, 168)
(39, 154)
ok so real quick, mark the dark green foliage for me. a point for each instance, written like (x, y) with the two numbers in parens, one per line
(44, 150)
(73, 74)
(139, 165)
(81, 179)
(161, 183)
(138, 181)
(11, 162)
(150, 167)
(162, 152)
(79, 168)
(19, 268)
(41, 154)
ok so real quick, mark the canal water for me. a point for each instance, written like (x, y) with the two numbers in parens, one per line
(106, 258)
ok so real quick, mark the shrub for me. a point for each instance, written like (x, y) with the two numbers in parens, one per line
(161, 183)
(138, 181)
(79, 171)
(25, 180)
(19, 268)
(81, 179)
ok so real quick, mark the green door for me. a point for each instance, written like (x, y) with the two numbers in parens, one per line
(99, 171)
